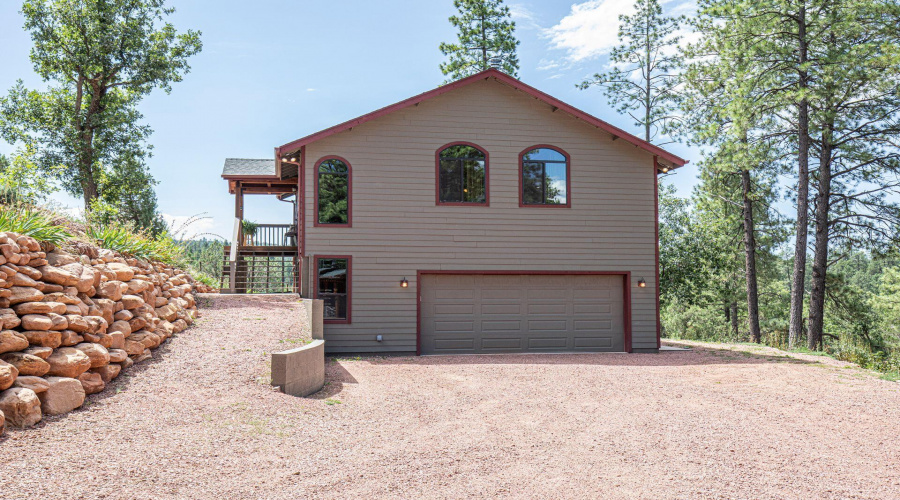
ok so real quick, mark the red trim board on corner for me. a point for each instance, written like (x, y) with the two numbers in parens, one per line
(626, 294)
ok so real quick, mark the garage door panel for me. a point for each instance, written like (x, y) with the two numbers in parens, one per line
(596, 325)
(453, 293)
(521, 313)
(593, 342)
(548, 343)
(503, 326)
(454, 344)
(490, 309)
(592, 308)
(540, 325)
(502, 343)
(550, 309)
(500, 294)
(453, 309)
(454, 326)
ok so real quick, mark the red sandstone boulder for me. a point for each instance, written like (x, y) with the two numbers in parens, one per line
(8, 374)
(44, 338)
(64, 395)
(97, 353)
(92, 383)
(26, 364)
(12, 341)
(21, 406)
(68, 362)
(36, 384)
(22, 294)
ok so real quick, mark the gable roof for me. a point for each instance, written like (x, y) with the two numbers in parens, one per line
(242, 167)
(484, 75)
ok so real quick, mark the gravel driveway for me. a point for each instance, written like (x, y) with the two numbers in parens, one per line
(200, 421)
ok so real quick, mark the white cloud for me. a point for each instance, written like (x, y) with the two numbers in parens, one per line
(310, 89)
(189, 226)
(590, 29)
(523, 16)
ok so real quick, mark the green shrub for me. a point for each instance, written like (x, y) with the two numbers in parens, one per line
(32, 223)
(123, 239)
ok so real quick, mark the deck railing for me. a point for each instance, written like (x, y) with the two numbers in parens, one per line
(270, 235)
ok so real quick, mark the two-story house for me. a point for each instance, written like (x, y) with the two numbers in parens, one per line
(481, 217)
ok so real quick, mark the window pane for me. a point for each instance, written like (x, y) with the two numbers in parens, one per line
(450, 182)
(544, 154)
(532, 183)
(335, 306)
(555, 182)
(334, 198)
(462, 152)
(333, 167)
(473, 188)
(332, 287)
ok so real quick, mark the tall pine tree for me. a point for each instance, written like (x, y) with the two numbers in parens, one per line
(485, 32)
(644, 75)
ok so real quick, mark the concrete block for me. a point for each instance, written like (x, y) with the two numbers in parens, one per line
(301, 371)
(315, 311)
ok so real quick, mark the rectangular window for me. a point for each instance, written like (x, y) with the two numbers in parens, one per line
(333, 287)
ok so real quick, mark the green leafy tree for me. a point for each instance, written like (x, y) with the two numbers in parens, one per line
(486, 31)
(101, 58)
(21, 181)
(644, 78)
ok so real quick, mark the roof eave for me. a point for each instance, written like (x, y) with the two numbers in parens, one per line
(504, 78)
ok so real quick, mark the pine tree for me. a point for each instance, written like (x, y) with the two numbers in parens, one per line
(643, 78)
(485, 32)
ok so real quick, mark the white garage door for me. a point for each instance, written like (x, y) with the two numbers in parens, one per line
(487, 313)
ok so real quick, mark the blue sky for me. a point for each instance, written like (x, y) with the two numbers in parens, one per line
(273, 71)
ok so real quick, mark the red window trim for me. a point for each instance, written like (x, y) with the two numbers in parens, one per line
(626, 295)
(316, 222)
(349, 259)
(437, 177)
(568, 203)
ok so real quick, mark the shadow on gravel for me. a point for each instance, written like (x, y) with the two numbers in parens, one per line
(698, 356)
(336, 376)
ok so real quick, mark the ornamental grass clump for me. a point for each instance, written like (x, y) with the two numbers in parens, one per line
(34, 223)
(126, 241)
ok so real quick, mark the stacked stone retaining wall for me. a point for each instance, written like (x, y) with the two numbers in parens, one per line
(70, 323)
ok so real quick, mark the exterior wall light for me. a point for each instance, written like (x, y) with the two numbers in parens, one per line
(642, 283)
(404, 283)
(293, 160)
(665, 169)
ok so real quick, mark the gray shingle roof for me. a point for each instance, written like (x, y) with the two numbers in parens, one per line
(244, 166)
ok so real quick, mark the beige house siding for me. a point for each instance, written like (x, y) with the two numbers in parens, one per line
(398, 230)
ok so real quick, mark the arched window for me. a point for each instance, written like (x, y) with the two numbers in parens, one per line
(544, 171)
(462, 174)
(333, 192)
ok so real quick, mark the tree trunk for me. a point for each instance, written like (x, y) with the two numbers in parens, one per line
(647, 98)
(820, 259)
(734, 319)
(798, 279)
(484, 45)
(750, 259)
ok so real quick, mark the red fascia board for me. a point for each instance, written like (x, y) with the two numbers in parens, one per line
(501, 77)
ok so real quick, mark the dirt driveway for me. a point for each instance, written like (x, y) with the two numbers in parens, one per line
(199, 421)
